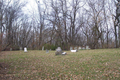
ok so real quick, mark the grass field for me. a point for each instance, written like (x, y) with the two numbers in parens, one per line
(101, 64)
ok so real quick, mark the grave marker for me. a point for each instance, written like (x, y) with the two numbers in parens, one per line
(87, 47)
(64, 53)
(75, 48)
(83, 48)
(47, 51)
(58, 51)
(10, 49)
(71, 48)
(42, 48)
(20, 48)
(80, 48)
(25, 49)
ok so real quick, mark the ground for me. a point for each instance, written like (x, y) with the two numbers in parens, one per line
(101, 64)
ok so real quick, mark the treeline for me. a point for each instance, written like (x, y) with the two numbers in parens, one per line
(61, 23)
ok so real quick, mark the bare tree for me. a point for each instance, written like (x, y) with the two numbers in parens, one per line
(3, 7)
(96, 8)
(115, 18)
(11, 13)
(41, 22)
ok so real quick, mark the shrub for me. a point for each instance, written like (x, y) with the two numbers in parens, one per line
(48, 46)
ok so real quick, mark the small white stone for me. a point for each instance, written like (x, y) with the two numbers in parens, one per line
(73, 50)
(64, 53)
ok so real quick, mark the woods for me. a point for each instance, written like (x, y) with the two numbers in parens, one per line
(61, 23)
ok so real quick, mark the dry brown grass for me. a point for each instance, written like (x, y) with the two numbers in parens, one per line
(102, 64)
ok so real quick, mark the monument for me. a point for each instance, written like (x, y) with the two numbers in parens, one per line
(25, 49)
(20, 48)
(47, 51)
(59, 51)
(42, 48)
(87, 47)
(80, 48)
(71, 48)
(10, 49)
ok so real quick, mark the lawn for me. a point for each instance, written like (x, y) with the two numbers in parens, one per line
(100, 64)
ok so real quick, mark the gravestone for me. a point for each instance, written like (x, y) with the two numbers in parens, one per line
(71, 48)
(80, 48)
(25, 49)
(20, 48)
(42, 48)
(64, 53)
(47, 51)
(75, 48)
(10, 49)
(83, 48)
(87, 47)
(58, 51)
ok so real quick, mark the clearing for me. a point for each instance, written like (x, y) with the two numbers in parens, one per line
(100, 64)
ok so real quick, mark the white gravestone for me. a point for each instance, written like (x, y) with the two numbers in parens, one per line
(87, 47)
(64, 53)
(25, 49)
(80, 48)
(73, 50)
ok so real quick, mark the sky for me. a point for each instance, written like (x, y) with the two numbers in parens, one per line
(30, 6)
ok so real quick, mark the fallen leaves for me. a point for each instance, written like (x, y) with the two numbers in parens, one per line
(83, 65)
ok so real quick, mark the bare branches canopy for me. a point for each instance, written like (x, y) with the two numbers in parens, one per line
(62, 23)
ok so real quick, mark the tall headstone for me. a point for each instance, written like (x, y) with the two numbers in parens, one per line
(10, 49)
(80, 48)
(71, 48)
(47, 51)
(87, 47)
(42, 48)
(25, 49)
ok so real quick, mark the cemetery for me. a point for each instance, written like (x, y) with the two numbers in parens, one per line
(45, 64)
(59, 39)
